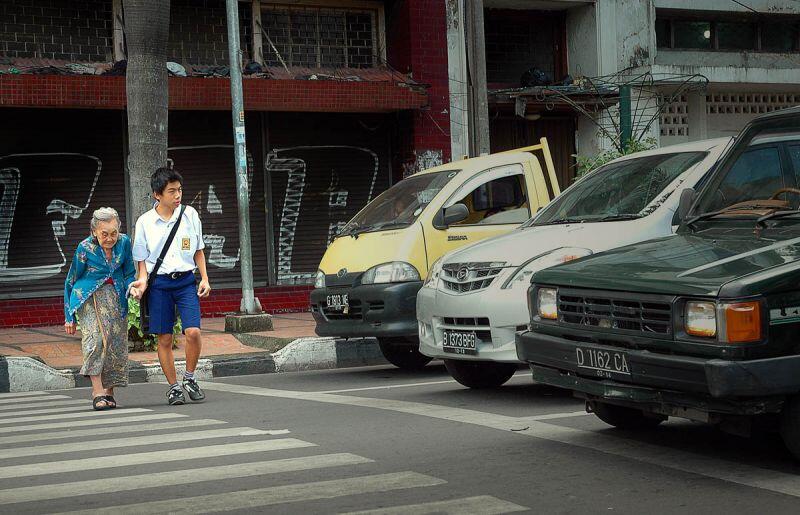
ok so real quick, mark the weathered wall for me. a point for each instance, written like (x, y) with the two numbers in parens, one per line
(767, 6)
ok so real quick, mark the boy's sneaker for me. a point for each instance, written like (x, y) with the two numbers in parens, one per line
(175, 397)
(194, 390)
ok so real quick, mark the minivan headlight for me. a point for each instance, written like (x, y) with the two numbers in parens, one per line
(432, 281)
(319, 280)
(522, 275)
(394, 272)
(547, 303)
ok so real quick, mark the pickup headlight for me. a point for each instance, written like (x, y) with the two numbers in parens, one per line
(522, 275)
(432, 281)
(394, 272)
(319, 279)
(547, 303)
(730, 322)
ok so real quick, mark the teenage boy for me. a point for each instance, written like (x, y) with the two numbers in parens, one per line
(174, 284)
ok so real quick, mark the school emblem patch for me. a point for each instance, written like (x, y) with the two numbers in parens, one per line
(186, 244)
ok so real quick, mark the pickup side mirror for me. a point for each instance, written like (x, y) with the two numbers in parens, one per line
(454, 214)
(688, 196)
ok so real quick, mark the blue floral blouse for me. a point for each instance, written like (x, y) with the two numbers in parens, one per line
(90, 269)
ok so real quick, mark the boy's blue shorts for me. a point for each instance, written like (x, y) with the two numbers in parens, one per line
(166, 294)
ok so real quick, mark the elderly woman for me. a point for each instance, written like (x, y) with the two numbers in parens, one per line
(96, 291)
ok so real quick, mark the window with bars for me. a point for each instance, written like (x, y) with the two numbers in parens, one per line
(726, 32)
(319, 37)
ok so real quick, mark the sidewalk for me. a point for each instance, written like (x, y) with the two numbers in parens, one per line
(35, 358)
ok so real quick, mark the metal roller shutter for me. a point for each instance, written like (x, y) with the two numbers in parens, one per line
(201, 148)
(323, 169)
(56, 168)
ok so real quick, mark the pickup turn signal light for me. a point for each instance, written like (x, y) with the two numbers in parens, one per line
(742, 322)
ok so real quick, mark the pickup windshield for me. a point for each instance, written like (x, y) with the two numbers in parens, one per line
(400, 205)
(617, 191)
(762, 178)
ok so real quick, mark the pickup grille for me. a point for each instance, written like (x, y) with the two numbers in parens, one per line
(606, 310)
(468, 277)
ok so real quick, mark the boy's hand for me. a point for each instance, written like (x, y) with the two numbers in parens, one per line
(140, 285)
(203, 289)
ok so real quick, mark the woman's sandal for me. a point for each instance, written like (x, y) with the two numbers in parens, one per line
(96, 403)
(112, 403)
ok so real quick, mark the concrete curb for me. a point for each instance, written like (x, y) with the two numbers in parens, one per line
(23, 374)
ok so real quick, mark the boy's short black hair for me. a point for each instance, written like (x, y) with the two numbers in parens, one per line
(162, 177)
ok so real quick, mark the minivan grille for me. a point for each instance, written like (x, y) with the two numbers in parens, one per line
(601, 309)
(468, 277)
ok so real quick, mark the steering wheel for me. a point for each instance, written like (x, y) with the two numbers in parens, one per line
(784, 190)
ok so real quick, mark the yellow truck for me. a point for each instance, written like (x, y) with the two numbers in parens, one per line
(369, 277)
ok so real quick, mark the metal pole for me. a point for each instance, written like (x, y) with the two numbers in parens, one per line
(478, 65)
(625, 123)
(248, 304)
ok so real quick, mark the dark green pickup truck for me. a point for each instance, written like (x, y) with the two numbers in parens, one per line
(704, 324)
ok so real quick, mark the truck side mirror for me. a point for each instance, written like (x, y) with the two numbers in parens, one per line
(454, 214)
(687, 199)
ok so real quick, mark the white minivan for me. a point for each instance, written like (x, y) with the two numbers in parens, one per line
(474, 299)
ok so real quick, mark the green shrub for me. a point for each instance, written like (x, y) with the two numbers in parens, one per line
(585, 164)
(141, 341)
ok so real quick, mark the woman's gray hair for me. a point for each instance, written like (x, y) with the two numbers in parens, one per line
(104, 214)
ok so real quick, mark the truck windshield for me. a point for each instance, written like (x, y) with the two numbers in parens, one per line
(400, 205)
(762, 177)
(617, 191)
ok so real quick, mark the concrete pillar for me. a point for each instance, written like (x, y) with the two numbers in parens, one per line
(457, 73)
(696, 115)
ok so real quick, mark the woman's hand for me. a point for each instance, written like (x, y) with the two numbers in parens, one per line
(69, 327)
(135, 293)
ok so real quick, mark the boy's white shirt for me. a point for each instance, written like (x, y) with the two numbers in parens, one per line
(151, 232)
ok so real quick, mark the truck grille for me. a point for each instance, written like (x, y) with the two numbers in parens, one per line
(468, 277)
(605, 310)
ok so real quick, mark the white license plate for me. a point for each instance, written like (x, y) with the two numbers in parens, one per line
(338, 302)
(459, 342)
(601, 362)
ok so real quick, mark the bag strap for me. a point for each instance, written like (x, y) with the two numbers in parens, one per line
(167, 243)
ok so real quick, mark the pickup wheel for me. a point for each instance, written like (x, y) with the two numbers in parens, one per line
(403, 353)
(480, 374)
(625, 418)
(790, 425)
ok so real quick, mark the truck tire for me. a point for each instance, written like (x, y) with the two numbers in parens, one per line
(790, 426)
(625, 418)
(480, 374)
(403, 353)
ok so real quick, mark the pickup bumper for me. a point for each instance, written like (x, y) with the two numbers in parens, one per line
(377, 310)
(709, 384)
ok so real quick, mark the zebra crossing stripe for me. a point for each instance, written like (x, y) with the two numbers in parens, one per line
(250, 499)
(43, 411)
(125, 460)
(24, 394)
(170, 478)
(37, 403)
(29, 398)
(104, 431)
(87, 414)
(95, 422)
(37, 450)
(479, 505)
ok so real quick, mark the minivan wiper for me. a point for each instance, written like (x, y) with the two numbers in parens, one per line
(761, 222)
(620, 216)
(566, 220)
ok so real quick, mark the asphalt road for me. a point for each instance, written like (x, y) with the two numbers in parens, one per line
(371, 439)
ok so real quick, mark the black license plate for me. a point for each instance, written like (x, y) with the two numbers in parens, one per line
(460, 342)
(338, 302)
(601, 362)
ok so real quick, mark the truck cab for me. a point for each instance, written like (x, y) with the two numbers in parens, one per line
(369, 277)
(701, 325)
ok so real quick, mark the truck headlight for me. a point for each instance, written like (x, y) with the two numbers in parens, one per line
(394, 272)
(319, 279)
(701, 319)
(523, 273)
(432, 281)
(547, 303)
(730, 322)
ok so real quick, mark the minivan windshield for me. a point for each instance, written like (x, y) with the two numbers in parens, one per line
(764, 175)
(400, 205)
(617, 191)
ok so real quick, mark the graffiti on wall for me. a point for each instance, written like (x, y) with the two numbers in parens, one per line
(49, 201)
(205, 191)
(325, 187)
(422, 161)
